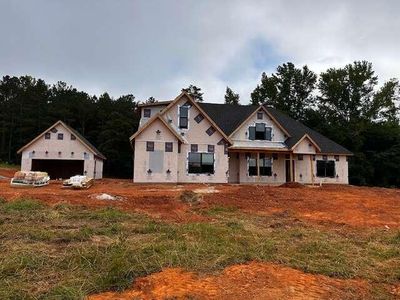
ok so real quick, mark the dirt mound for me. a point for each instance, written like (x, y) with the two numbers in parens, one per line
(7, 172)
(292, 185)
(249, 281)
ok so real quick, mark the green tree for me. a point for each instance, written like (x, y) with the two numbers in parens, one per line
(151, 100)
(290, 90)
(231, 97)
(195, 92)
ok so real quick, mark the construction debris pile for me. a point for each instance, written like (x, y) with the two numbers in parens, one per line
(78, 182)
(30, 179)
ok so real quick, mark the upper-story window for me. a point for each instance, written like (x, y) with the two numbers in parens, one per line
(47, 135)
(260, 132)
(73, 137)
(147, 113)
(183, 116)
(60, 136)
(259, 115)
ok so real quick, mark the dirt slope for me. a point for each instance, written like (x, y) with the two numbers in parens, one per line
(250, 281)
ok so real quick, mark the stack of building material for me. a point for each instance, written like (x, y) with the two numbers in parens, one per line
(78, 182)
(30, 179)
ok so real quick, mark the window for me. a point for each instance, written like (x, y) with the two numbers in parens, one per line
(252, 166)
(150, 146)
(47, 136)
(194, 148)
(147, 113)
(201, 163)
(211, 148)
(169, 147)
(260, 132)
(259, 115)
(210, 131)
(265, 166)
(53, 130)
(73, 137)
(60, 136)
(199, 118)
(183, 117)
(337, 158)
(299, 156)
(326, 168)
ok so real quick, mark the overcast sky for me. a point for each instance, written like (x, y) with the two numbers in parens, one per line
(154, 48)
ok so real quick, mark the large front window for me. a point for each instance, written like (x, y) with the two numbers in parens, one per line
(201, 163)
(260, 132)
(184, 117)
(261, 168)
(325, 168)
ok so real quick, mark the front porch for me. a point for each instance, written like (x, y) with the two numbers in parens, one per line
(270, 167)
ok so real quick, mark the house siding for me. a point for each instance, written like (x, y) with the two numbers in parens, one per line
(66, 146)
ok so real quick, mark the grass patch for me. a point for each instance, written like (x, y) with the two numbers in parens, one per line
(68, 252)
(22, 205)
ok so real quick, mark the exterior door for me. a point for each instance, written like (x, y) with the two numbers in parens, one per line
(287, 170)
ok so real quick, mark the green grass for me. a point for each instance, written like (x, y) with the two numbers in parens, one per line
(67, 252)
(9, 166)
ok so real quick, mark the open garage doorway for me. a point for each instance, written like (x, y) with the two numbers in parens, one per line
(58, 168)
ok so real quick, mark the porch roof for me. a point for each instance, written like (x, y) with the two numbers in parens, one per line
(258, 145)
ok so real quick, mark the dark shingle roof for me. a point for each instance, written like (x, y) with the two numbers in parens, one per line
(86, 142)
(229, 117)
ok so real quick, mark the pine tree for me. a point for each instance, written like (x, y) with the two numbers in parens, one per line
(231, 97)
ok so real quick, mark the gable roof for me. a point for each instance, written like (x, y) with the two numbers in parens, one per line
(297, 130)
(229, 117)
(150, 121)
(198, 106)
(80, 137)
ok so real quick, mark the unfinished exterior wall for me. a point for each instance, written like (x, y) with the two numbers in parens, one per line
(278, 170)
(154, 109)
(242, 133)
(144, 160)
(65, 149)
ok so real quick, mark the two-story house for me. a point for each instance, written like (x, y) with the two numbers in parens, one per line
(182, 141)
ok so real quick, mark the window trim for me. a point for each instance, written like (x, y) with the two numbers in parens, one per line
(325, 169)
(258, 164)
(193, 146)
(150, 146)
(187, 118)
(144, 112)
(255, 131)
(167, 145)
(201, 165)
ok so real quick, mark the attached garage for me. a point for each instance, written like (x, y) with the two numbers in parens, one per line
(58, 168)
(62, 152)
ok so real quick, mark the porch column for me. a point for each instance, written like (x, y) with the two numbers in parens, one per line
(258, 166)
(291, 168)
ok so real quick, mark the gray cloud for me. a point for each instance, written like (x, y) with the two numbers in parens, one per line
(154, 48)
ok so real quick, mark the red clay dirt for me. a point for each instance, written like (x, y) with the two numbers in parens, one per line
(354, 206)
(250, 281)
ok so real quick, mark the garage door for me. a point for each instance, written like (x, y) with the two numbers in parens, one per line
(58, 168)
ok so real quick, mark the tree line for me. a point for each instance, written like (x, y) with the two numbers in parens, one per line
(346, 104)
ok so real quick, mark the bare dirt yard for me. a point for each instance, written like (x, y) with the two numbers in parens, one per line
(199, 242)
